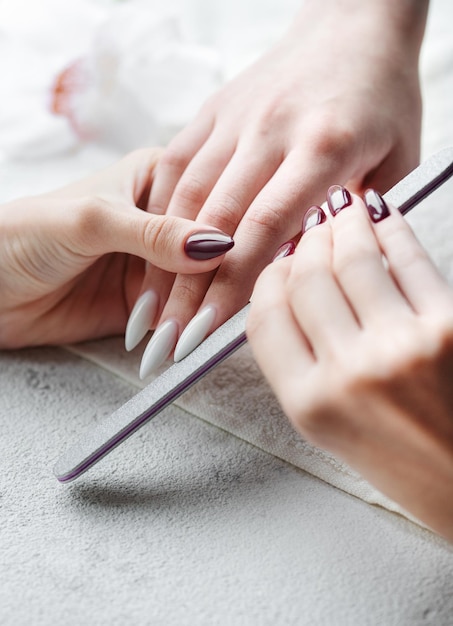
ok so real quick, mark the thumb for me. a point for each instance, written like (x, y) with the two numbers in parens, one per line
(172, 243)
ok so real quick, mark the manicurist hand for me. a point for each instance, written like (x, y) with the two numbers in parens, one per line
(359, 351)
(337, 99)
(72, 261)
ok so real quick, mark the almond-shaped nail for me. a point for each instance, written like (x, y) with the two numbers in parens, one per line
(207, 244)
(159, 347)
(141, 318)
(376, 205)
(286, 249)
(195, 332)
(338, 197)
(314, 216)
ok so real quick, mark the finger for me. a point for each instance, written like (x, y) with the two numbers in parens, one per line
(171, 243)
(278, 344)
(136, 174)
(187, 292)
(317, 301)
(417, 277)
(246, 175)
(190, 192)
(200, 176)
(148, 306)
(174, 161)
(274, 216)
(359, 268)
(184, 299)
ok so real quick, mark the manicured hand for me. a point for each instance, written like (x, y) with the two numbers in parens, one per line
(354, 332)
(336, 100)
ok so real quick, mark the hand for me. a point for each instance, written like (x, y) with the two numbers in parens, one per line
(327, 103)
(72, 261)
(360, 354)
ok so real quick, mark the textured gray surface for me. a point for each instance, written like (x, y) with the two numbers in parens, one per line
(186, 524)
(145, 405)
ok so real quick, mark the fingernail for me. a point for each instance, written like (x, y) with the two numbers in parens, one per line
(195, 332)
(207, 244)
(159, 347)
(314, 216)
(376, 205)
(141, 318)
(338, 198)
(286, 249)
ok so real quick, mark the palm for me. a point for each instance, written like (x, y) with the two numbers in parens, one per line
(94, 304)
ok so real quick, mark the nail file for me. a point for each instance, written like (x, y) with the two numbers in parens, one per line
(104, 437)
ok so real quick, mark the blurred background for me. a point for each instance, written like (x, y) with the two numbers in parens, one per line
(120, 74)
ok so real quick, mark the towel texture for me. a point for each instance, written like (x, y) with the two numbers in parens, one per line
(236, 398)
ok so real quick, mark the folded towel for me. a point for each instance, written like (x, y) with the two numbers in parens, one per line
(236, 398)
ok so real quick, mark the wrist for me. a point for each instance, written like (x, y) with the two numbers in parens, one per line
(401, 23)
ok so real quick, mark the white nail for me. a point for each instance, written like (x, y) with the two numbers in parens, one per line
(141, 318)
(195, 332)
(159, 347)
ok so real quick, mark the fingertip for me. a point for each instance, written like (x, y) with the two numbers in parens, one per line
(207, 244)
(313, 217)
(179, 245)
(376, 205)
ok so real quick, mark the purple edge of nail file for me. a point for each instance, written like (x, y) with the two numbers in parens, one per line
(104, 437)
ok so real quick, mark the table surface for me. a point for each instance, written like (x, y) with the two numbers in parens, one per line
(186, 524)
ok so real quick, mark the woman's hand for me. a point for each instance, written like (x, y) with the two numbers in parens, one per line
(72, 261)
(336, 100)
(355, 335)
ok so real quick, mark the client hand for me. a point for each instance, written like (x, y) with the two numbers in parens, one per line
(336, 100)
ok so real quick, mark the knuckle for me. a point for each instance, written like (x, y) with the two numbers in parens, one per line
(158, 237)
(224, 211)
(187, 291)
(190, 191)
(273, 114)
(268, 218)
(174, 158)
(329, 136)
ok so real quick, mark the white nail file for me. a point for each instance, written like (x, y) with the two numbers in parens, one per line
(104, 437)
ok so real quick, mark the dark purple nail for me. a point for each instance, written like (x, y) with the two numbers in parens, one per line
(314, 216)
(207, 244)
(286, 249)
(376, 205)
(338, 198)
